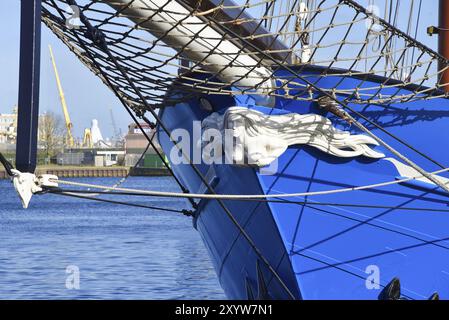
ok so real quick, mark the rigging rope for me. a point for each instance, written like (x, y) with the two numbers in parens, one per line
(7, 165)
(363, 277)
(333, 99)
(122, 180)
(152, 64)
(101, 42)
(75, 195)
(247, 196)
(136, 82)
(120, 96)
(278, 199)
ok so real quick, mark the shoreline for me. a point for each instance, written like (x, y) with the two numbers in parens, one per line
(95, 172)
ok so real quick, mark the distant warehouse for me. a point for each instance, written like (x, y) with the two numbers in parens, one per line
(91, 157)
(135, 145)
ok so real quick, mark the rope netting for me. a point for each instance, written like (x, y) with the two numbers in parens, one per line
(153, 53)
(243, 47)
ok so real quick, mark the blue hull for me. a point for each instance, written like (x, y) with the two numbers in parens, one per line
(333, 246)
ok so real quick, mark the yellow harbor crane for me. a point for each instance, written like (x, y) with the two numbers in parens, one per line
(69, 140)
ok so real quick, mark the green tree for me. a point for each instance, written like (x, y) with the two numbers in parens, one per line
(51, 134)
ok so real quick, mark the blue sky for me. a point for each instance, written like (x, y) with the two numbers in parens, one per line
(87, 98)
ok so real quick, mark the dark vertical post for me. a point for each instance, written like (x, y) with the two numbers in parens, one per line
(443, 40)
(28, 114)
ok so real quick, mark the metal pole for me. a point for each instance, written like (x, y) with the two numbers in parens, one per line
(443, 41)
(28, 113)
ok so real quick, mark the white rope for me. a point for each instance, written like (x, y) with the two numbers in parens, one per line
(246, 196)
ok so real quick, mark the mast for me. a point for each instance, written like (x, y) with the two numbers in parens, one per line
(28, 112)
(443, 40)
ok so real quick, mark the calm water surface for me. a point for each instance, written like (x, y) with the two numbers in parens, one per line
(121, 252)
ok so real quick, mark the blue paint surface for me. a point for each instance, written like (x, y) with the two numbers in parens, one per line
(327, 249)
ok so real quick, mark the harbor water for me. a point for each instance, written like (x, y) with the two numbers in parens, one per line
(115, 251)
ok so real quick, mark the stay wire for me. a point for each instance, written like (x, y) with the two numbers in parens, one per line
(103, 45)
(122, 180)
(312, 205)
(75, 195)
(280, 200)
(216, 196)
(344, 105)
(7, 165)
(96, 33)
